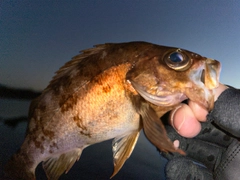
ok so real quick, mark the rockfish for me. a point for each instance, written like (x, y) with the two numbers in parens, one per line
(111, 91)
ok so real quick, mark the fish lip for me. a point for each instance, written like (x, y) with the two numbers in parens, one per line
(206, 78)
(207, 75)
(163, 100)
(212, 73)
(211, 81)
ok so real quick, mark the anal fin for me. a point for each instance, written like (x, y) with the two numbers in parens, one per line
(122, 149)
(54, 167)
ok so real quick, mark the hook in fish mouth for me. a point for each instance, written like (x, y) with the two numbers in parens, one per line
(163, 100)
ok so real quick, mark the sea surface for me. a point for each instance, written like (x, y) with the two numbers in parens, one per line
(96, 160)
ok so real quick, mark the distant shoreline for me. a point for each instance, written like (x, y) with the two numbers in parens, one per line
(15, 93)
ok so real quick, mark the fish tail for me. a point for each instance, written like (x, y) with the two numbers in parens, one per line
(20, 167)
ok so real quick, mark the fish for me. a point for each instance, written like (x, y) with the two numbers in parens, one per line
(111, 91)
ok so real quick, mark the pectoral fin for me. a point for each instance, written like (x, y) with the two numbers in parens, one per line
(122, 148)
(54, 167)
(155, 131)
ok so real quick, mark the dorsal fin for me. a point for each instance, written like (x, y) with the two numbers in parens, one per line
(78, 62)
(91, 62)
(54, 167)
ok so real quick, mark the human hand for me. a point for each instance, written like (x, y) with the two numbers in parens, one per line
(212, 154)
(186, 119)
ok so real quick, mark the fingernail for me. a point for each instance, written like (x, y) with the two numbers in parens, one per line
(181, 124)
(176, 144)
(172, 117)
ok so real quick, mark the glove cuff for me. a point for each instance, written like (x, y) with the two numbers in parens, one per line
(229, 165)
(186, 168)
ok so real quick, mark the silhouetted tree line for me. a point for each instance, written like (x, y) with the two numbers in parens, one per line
(14, 93)
(13, 122)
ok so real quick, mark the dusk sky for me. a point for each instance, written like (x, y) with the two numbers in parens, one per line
(38, 37)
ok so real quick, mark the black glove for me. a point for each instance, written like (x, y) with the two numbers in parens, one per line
(213, 154)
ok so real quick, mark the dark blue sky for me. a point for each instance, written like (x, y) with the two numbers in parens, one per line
(38, 37)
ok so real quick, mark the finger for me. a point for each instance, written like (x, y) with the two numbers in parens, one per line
(217, 91)
(226, 112)
(186, 168)
(211, 134)
(184, 121)
(200, 150)
(199, 112)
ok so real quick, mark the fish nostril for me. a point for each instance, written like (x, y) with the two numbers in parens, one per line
(203, 76)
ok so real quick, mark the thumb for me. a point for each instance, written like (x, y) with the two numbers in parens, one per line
(184, 121)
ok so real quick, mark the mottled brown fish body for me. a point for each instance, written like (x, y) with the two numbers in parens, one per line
(101, 94)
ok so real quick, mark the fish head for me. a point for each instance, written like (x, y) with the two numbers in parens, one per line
(168, 76)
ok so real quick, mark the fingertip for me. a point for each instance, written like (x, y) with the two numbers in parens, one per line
(199, 112)
(190, 128)
(184, 121)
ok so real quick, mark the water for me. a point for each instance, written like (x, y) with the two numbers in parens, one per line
(13, 108)
(95, 162)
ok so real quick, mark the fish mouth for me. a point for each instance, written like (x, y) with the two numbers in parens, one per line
(206, 77)
(211, 74)
(203, 76)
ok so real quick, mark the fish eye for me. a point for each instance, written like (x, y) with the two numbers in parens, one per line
(176, 57)
(177, 60)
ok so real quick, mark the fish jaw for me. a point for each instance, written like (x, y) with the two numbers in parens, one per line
(212, 68)
(204, 78)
